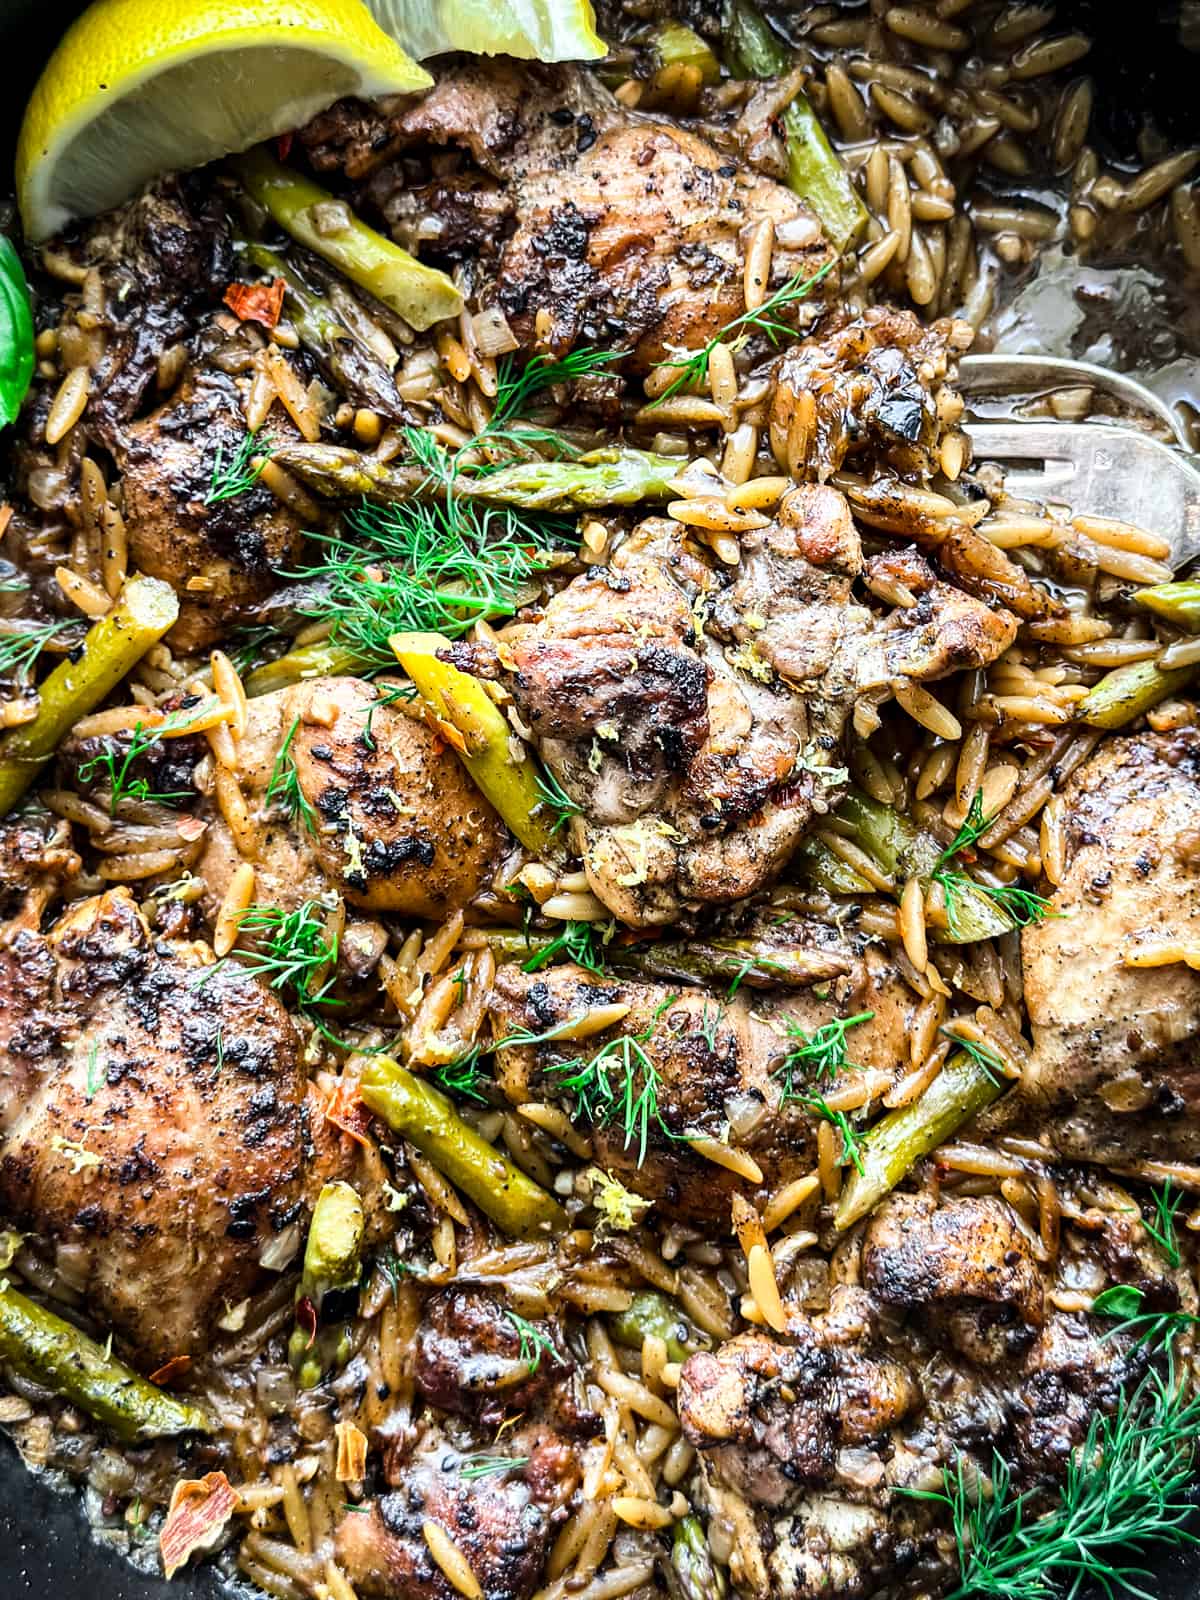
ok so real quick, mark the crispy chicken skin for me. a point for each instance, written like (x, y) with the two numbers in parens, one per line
(502, 1523)
(150, 1118)
(805, 1437)
(221, 558)
(717, 1063)
(394, 822)
(1114, 1073)
(622, 229)
(698, 719)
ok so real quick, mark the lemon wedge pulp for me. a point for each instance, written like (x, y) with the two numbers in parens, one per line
(534, 30)
(137, 89)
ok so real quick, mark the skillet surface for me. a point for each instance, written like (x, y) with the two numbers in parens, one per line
(42, 1537)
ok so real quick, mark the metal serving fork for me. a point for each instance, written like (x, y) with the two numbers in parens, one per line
(1103, 467)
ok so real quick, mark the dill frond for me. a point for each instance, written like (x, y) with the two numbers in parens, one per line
(240, 473)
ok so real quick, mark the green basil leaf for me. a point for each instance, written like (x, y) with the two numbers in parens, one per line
(1122, 1300)
(16, 332)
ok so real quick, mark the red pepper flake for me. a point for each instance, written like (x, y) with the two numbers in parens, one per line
(306, 1319)
(256, 302)
(346, 1111)
(200, 1508)
(283, 145)
(175, 1368)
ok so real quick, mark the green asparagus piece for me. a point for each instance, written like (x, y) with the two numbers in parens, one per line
(55, 1353)
(498, 1187)
(1129, 692)
(815, 171)
(332, 1261)
(697, 1573)
(1174, 602)
(902, 850)
(652, 1313)
(895, 1144)
(419, 294)
(114, 645)
(306, 661)
(601, 478)
(748, 962)
(354, 371)
(677, 45)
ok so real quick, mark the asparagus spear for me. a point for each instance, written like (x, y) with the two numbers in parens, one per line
(903, 851)
(57, 1354)
(355, 371)
(697, 1573)
(332, 1261)
(114, 645)
(674, 44)
(1129, 692)
(600, 478)
(489, 749)
(748, 962)
(815, 171)
(652, 1313)
(498, 1187)
(419, 294)
(895, 1144)
(1175, 602)
(306, 661)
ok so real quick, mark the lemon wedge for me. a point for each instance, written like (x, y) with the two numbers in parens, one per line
(135, 90)
(533, 30)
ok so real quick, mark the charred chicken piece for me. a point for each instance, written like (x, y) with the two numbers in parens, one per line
(698, 721)
(221, 556)
(623, 229)
(383, 811)
(150, 1120)
(36, 860)
(502, 1523)
(806, 1437)
(1113, 1075)
(716, 1064)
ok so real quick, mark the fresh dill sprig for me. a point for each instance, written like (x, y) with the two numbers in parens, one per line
(19, 651)
(482, 1465)
(979, 1053)
(118, 762)
(518, 386)
(1166, 1204)
(248, 645)
(1022, 905)
(708, 1026)
(423, 566)
(617, 1087)
(581, 942)
(555, 802)
(764, 319)
(462, 1075)
(1127, 1486)
(749, 965)
(820, 1056)
(1157, 1329)
(534, 1343)
(816, 1105)
(298, 950)
(284, 788)
(240, 473)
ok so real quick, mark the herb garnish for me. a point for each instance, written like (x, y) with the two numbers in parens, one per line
(297, 952)
(239, 474)
(1162, 1230)
(820, 1057)
(483, 1465)
(555, 801)
(534, 1343)
(117, 763)
(618, 1086)
(19, 651)
(583, 943)
(693, 367)
(979, 1053)
(1022, 905)
(284, 787)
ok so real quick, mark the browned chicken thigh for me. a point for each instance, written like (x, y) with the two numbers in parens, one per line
(601, 225)
(1114, 1073)
(698, 722)
(150, 1120)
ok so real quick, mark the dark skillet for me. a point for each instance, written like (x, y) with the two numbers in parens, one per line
(1138, 64)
